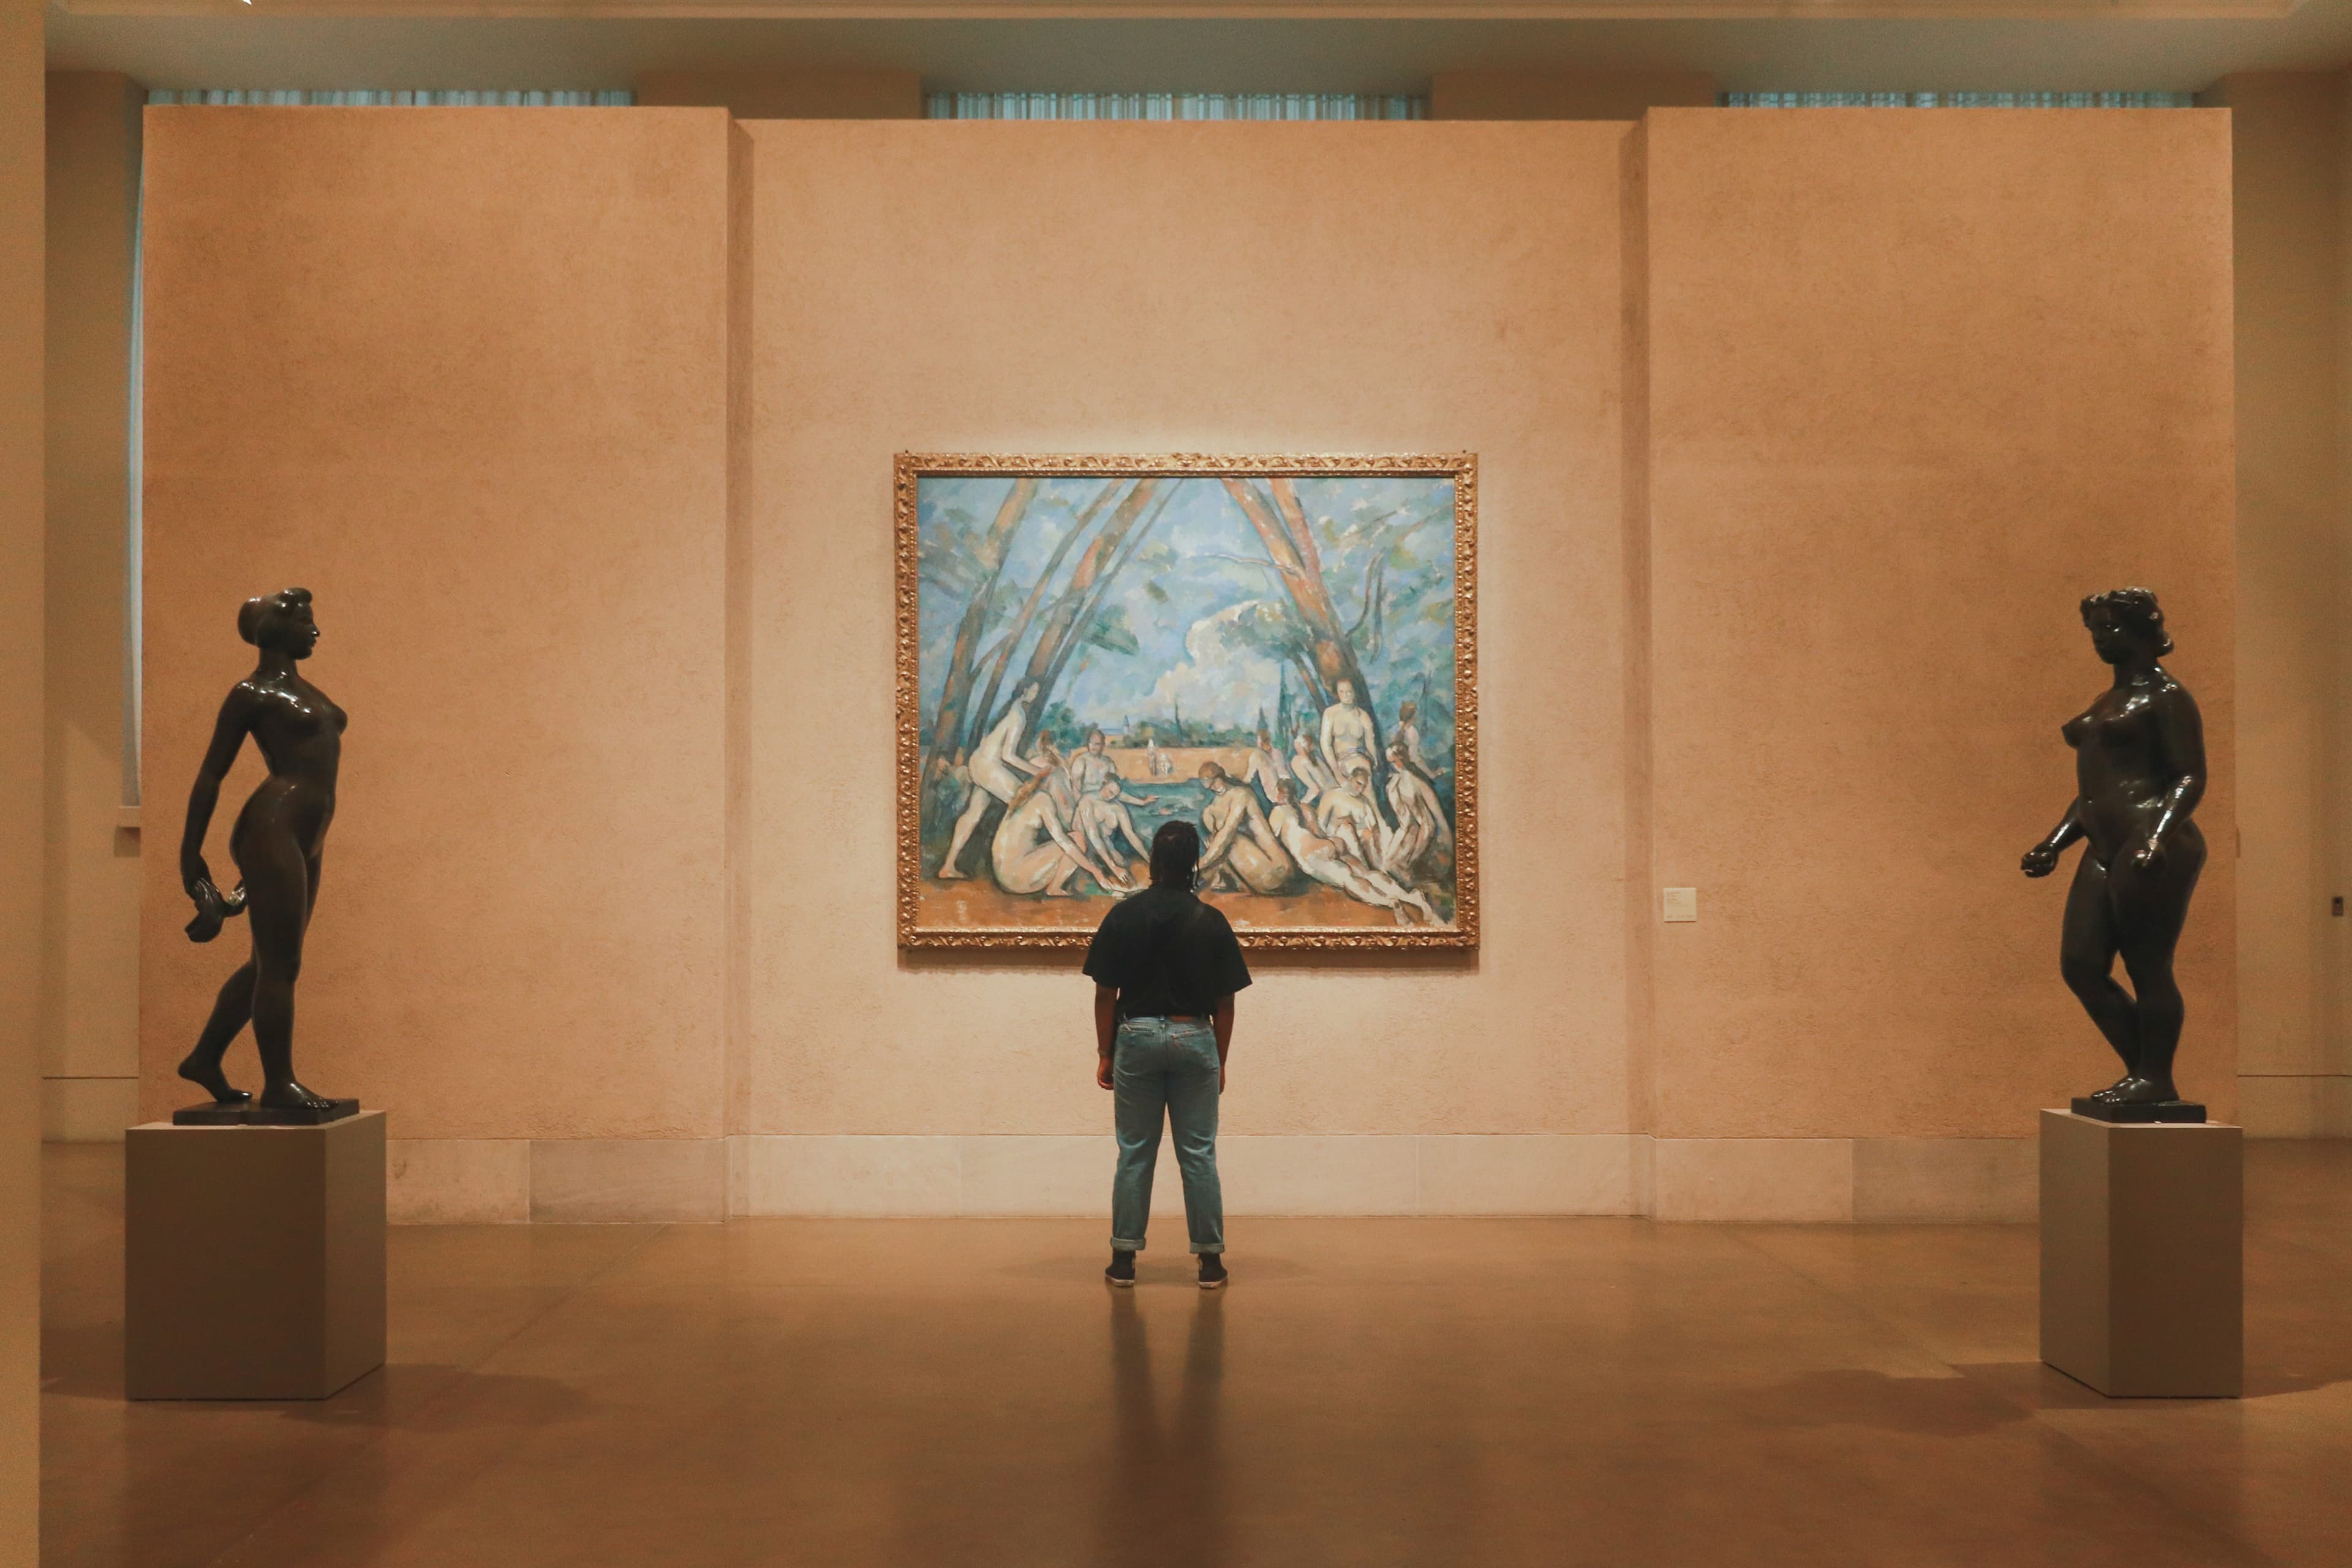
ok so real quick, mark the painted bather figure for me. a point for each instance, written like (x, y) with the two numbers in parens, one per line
(998, 769)
(1421, 831)
(1265, 769)
(1305, 771)
(1033, 851)
(1102, 822)
(1324, 860)
(1347, 733)
(1345, 815)
(1243, 847)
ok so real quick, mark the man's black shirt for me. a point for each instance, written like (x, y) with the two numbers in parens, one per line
(1167, 954)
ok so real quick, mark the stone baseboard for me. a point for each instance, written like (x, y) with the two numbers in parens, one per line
(87, 1110)
(2296, 1105)
(1843, 1180)
(1727, 1180)
(557, 1180)
(1946, 1181)
(1288, 1174)
(458, 1181)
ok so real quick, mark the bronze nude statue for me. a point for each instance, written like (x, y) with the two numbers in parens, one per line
(277, 844)
(2139, 770)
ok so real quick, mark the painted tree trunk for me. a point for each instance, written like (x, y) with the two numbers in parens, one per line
(949, 722)
(1334, 650)
(1283, 530)
(1063, 621)
(1076, 637)
(983, 713)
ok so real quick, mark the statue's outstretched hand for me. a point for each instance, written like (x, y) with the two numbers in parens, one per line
(2149, 853)
(2040, 860)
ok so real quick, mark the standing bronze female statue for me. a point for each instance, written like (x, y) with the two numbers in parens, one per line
(277, 844)
(2139, 769)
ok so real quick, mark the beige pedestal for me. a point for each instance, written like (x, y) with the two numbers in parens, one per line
(253, 1259)
(2143, 1287)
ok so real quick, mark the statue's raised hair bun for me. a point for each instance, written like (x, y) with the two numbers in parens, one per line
(257, 609)
(2136, 608)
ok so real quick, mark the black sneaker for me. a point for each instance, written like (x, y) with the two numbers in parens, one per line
(1212, 1272)
(1121, 1271)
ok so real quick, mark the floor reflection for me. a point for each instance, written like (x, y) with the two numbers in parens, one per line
(944, 1393)
(1165, 1481)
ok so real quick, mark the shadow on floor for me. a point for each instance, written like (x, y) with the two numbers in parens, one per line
(85, 1362)
(1850, 1397)
(426, 1397)
(2034, 1385)
(82, 1360)
(2268, 1382)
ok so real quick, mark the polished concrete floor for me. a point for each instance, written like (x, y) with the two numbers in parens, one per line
(1368, 1392)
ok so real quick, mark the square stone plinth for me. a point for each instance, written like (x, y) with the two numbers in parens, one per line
(253, 1259)
(2143, 1287)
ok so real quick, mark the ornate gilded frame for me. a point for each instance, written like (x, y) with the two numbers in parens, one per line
(1461, 468)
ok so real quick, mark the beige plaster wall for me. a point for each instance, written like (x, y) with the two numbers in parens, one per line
(2289, 131)
(608, 922)
(2334, 1087)
(1042, 287)
(1918, 380)
(90, 1051)
(21, 862)
(1564, 94)
(463, 374)
(788, 94)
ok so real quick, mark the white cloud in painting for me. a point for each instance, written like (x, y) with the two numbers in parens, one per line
(1227, 676)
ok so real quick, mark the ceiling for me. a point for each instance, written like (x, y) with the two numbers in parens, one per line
(256, 46)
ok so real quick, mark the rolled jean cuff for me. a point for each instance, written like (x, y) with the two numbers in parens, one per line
(1118, 1245)
(1208, 1246)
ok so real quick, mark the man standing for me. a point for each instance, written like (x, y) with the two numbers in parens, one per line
(1166, 967)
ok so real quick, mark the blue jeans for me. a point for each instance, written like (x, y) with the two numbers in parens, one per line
(1155, 1064)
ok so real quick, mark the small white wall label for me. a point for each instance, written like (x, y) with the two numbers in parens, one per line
(1681, 903)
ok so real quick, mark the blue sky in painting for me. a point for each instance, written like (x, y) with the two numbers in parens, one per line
(1189, 595)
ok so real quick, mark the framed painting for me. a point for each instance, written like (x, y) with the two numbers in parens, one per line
(1281, 650)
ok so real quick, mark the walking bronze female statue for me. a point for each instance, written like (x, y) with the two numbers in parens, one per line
(2139, 770)
(275, 843)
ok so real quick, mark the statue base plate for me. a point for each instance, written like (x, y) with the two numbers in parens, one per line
(2134, 1115)
(211, 1115)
